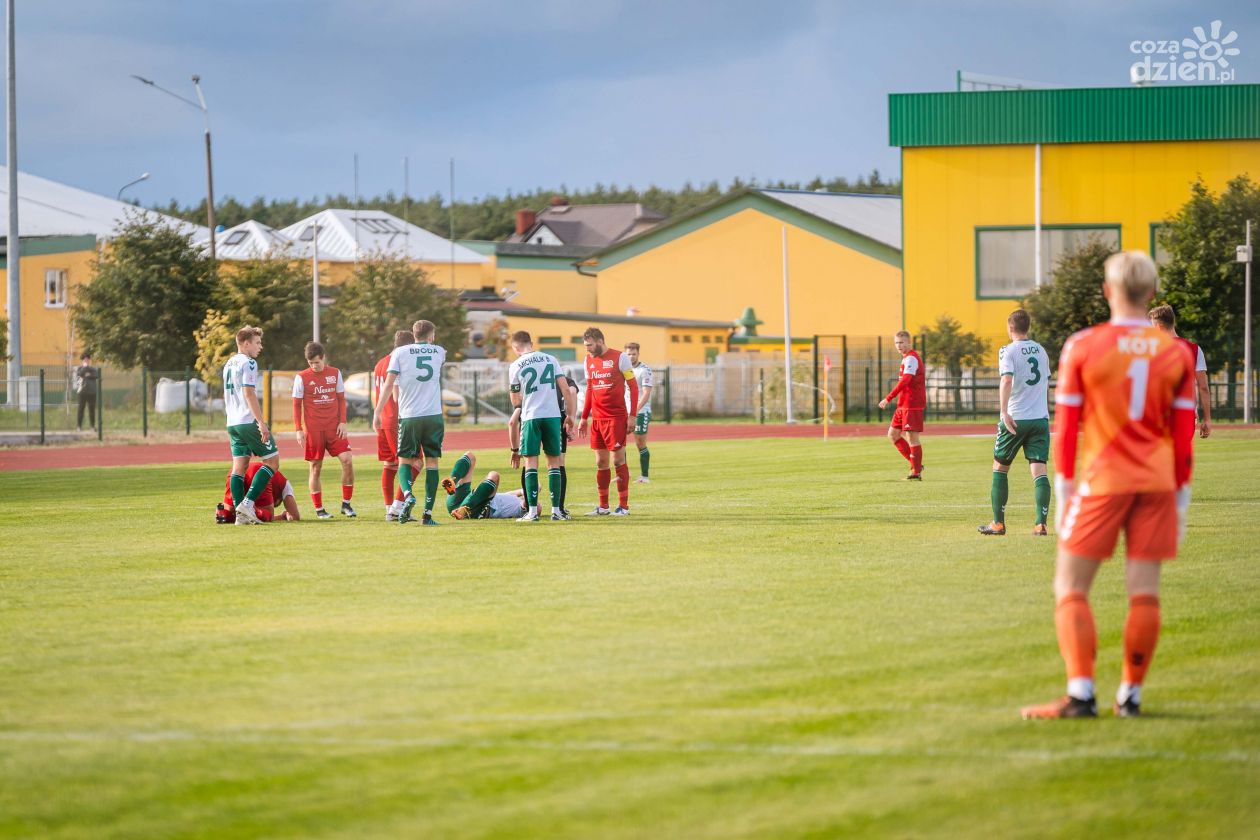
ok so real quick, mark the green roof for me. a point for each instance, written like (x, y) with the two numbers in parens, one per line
(1080, 115)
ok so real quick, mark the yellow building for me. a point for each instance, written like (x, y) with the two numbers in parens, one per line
(661, 341)
(982, 170)
(842, 252)
(54, 268)
(544, 277)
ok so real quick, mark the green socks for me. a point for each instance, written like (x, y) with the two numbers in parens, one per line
(998, 495)
(461, 468)
(1041, 492)
(431, 481)
(479, 497)
(261, 479)
(404, 477)
(644, 455)
(531, 487)
(238, 489)
(553, 486)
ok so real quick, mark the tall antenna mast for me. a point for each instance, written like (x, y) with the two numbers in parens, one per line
(406, 207)
(452, 220)
(356, 209)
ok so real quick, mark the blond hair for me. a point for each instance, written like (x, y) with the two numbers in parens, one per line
(1132, 274)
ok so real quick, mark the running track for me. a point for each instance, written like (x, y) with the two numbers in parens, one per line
(457, 440)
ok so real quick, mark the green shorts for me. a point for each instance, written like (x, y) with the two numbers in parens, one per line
(247, 440)
(641, 422)
(1033, 436)
(421, 435)
(464, 495)
(457, 498)
(542, 432)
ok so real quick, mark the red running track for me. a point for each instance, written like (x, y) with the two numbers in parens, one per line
(457, 440)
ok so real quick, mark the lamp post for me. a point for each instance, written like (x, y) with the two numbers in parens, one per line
(143, 177)
(200, 104)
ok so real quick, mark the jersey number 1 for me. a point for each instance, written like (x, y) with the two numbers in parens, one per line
(1138, 374)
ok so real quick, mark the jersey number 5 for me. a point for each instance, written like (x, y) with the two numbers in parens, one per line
(425, 365)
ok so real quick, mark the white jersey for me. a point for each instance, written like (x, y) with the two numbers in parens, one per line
(419, 370)
(642, 375)
(1028, 366)
(506, 506)
(533, 376)
(239, 373)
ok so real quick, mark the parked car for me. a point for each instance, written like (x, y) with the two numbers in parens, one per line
(359, 403)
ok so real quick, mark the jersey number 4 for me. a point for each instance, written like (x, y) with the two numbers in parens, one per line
(531, 377)
(227, 382)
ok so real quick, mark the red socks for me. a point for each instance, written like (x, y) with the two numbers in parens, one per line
(347, 490)
(916, 459)
(387, 483)
(904, 448)
(318, 500)
(1078, 639)
(602, 479)
(1141, 632)
(623, 486)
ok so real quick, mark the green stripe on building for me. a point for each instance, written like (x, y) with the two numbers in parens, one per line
(36, 246)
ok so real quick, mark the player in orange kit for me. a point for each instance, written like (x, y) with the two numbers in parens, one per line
(319, 399)
(608, 373)
(1132, 386)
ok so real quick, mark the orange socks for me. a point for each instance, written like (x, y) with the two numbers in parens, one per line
(1141, 633)
(1078, 639)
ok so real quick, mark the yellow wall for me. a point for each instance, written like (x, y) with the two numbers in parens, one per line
(47, 332)
(549, 289)
(656, 344)
(948, 191)
(714, 272)
(467, 275)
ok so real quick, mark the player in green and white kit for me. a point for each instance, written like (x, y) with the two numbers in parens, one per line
(643, 411)
(415, 377)
(1025, 423)
(533, 379)
(247, 432)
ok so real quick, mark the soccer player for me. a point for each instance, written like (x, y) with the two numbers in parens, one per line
(319, 401)
(416, 370)
(608, 372)
(1024, 422)
(911, 394)
(387, 436)
(463, 501)
(535, 379)
(1164, 318)
(1133, 387)
(247, 432)
(264, 506)
(643, 411)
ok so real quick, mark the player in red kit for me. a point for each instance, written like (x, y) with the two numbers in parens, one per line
(608, 373)
(387, 435)
(319, 413)
(911, 394)
(277, 492)
(1132, 388)
(1164, 318)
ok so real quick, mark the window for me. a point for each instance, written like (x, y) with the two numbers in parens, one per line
(1159, 253)
(704, 339)
(674, 339)
(383, 226)
(55, 288)
(309, 233)
(1004, 256)
(237, 237)
(686, 339)
(575, 339)
(549, 339)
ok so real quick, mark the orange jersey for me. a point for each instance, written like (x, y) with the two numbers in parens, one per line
(389, 411)
(1124, 380)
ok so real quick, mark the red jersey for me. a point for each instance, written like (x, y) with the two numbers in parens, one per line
(1200, 362)
(271, 493)
(607, 377)
(389, 412)
(911, 387)
(320, 398)
(1132, 387)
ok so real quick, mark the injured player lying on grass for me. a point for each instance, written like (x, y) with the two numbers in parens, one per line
(484, 501)
(279, 486)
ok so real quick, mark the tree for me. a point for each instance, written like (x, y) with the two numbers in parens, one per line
(150, 290)
(949, 346)
(1073, 299)
(383, 295)
(273, 294)
(1201, 280)
(4, 339)
(216, 343)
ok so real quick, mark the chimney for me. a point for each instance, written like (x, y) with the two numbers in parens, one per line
(524, 221)
(559, 201)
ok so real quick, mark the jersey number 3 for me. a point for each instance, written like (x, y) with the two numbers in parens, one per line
(1036, 371)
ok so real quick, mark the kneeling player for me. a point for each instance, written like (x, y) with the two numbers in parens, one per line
(278, 487)
(484, 501)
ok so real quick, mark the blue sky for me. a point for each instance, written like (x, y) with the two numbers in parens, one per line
(533, 94)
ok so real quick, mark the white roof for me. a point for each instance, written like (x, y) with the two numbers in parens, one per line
(876, 217)
(248, 241)
(347, 235)
(47, 208)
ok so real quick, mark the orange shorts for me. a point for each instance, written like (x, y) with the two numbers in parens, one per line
(608, 433)
(1149, 520)
(387, 442)
(908, 419)
(319, 442)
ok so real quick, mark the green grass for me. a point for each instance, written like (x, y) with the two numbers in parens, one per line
(784, 640)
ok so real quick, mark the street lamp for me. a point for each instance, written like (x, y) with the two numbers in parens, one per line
(205, 112)
(143, 177)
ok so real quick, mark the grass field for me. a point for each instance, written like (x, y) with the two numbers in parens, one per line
(784, 640)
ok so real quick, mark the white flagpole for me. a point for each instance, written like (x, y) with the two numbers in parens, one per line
(315, 284)
(787, 330)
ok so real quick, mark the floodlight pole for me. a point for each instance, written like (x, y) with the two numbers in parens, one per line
(315, 285)
(787, 331)
(13, 264)
(1247, 331)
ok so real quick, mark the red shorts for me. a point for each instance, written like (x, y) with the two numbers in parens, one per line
(1093, 523)
(319, 442)
(908, 419)
(608, 433)
(387, 442)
